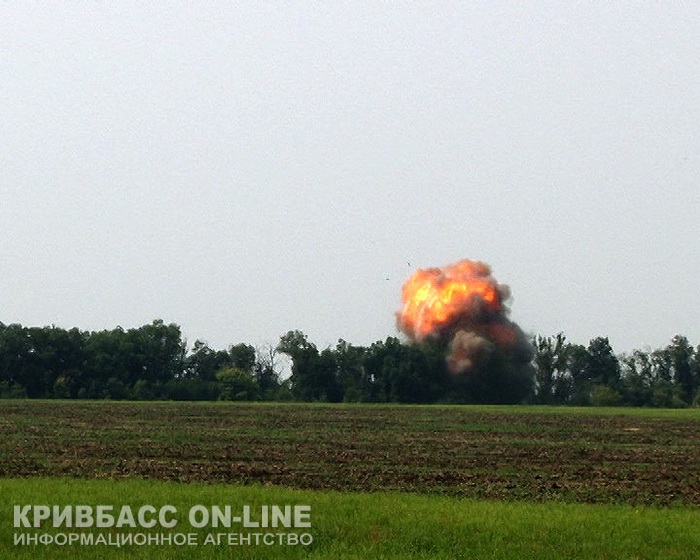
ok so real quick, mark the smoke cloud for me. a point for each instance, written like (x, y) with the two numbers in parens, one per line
(463, 305)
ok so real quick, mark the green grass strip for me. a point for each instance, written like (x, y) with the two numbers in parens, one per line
(362, 526)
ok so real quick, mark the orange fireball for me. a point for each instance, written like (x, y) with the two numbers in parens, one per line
(436, 299)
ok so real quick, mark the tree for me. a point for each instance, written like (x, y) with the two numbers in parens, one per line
(396, 372)
(69, 359)
(376, 381)
(637, 378)
(314, 373)
(294, 343)
(242, 356)
(603, 366)
(681, 353)
(663, 390)
(142, 391)
(550, 362)
(349, 360)
(577, 367)
(105, 358)
(16, 351)
(408, 372)
(604, 395)
(236, 384)
(116, 389)
(202, 363)
(304, 357)
(266, 374)
(150, 362)
(662, 363)
(161, 351)
(696, 361)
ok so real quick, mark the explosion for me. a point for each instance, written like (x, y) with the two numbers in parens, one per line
(461, 303)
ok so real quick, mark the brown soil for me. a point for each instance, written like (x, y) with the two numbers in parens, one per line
(452, 450)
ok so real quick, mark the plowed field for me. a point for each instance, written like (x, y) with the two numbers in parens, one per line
(504, 453)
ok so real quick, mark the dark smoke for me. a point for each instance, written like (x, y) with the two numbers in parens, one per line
(463, 306)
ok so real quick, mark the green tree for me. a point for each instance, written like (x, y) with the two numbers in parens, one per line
(159, 351)
(696, 374)
(662, 363)
(142, 391)
(303, 354)
(604, 395)
(191, 389)
(550, 363)
(12, 391)
(408, 372)
(116, 389)
(236, 384)
(378, 361)
(396, 372)
(16, 350)
(242, 356)
(637, 378)
(577, 367)
(266, 374)
(305, 382)
(603, 366)
(105, 358)
(681, 353)
(349, 360)
(294, 343)
(202, 363)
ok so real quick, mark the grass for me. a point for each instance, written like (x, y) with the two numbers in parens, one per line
(382, 525)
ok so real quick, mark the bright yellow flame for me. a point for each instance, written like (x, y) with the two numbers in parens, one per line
(435, 298)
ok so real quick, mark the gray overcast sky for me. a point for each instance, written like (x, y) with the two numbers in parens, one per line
(243, 169)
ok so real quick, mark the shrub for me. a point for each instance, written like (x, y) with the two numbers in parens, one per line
(602, 395)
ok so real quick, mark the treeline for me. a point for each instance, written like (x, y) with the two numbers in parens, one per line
(556, 372)
(153, 362)
(567, 373)
(146, 363)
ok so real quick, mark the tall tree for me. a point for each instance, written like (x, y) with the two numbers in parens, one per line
(161, 349)
(681, 353)
(203, 362)
(242, 356)
(603, 366)
(550, 363)
(314, 374)
(266, 373)
(637, 378)
(577, 367)
(349, 360)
